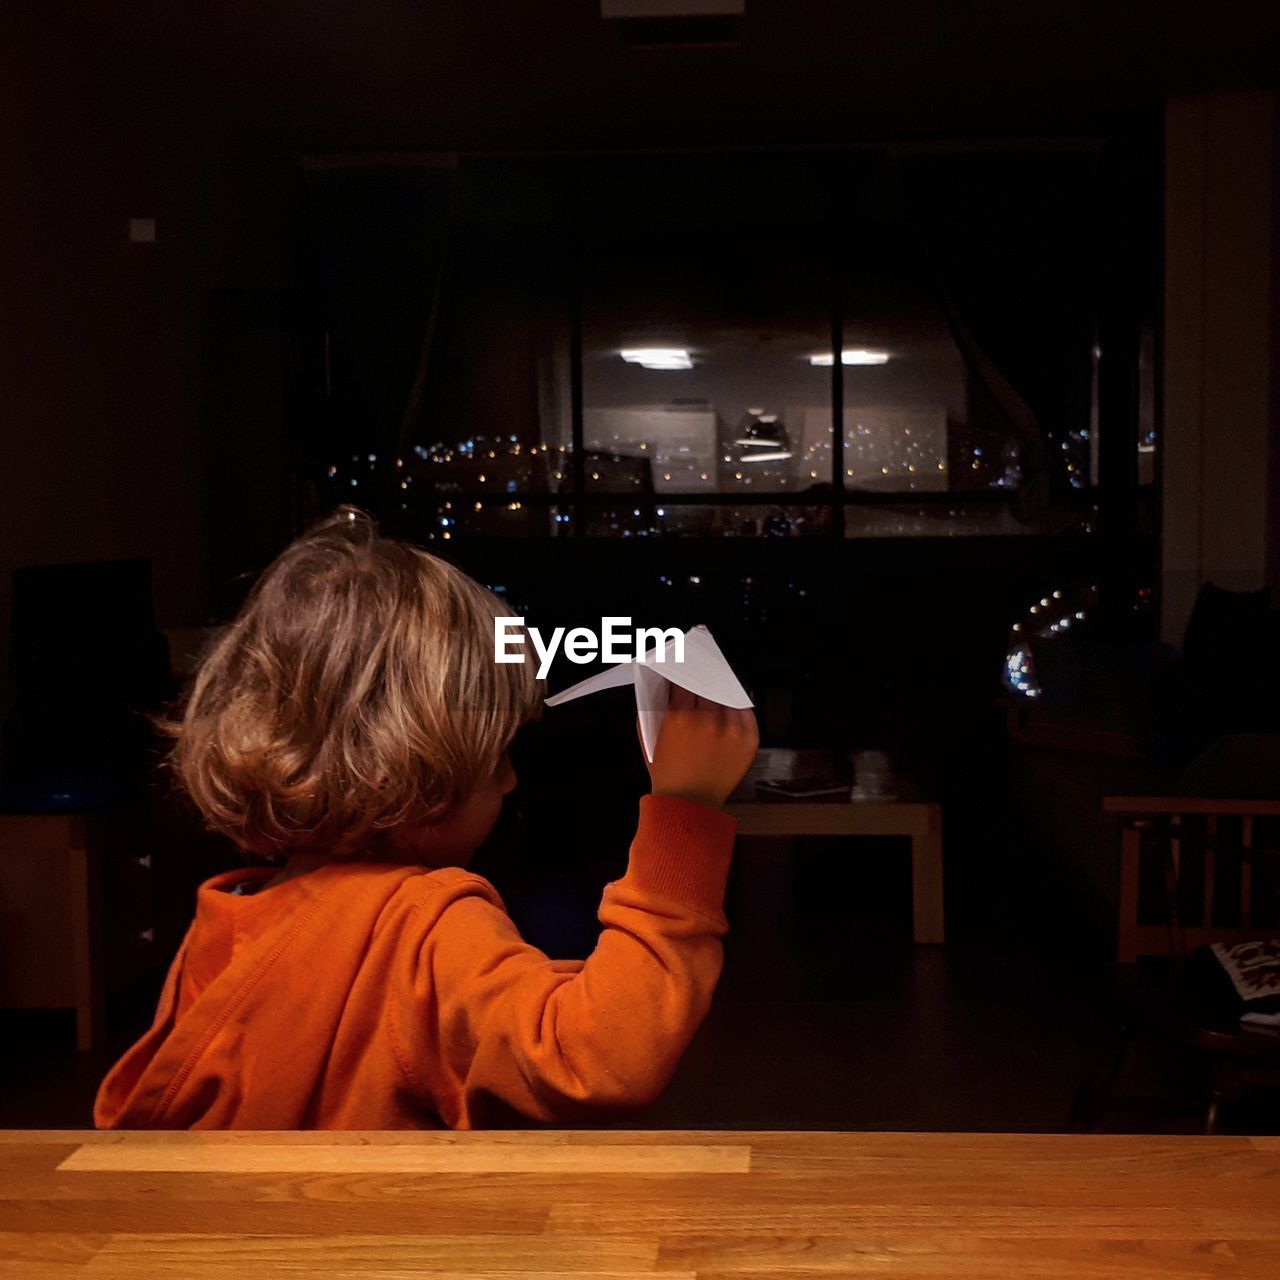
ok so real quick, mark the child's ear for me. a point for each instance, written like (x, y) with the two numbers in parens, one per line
(505, 775)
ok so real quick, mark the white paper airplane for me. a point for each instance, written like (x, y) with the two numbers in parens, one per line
(704, 671)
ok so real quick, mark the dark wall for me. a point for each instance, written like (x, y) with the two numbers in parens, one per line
(195, 115)
(103, 451)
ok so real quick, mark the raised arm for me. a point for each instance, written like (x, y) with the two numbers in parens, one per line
(493, 1031)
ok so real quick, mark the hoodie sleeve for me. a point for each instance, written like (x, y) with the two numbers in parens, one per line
(489, 1031)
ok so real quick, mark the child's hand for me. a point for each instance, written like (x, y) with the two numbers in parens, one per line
(703, 749)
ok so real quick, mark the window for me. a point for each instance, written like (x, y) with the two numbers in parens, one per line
(823, 344)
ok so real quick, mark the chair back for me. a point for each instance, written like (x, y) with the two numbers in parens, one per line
(1194, 871)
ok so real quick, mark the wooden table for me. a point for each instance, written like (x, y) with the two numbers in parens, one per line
(612, 1204)
(912, 816)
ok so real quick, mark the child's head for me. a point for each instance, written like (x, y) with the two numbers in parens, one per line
(354, 706)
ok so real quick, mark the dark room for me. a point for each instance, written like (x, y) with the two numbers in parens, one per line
(640, 637)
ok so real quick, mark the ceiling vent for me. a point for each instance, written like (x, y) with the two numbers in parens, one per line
(675, 23)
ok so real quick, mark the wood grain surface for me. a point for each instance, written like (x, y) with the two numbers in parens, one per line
(618, 1204)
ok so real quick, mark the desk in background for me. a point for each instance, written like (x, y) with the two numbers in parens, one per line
(77, 913)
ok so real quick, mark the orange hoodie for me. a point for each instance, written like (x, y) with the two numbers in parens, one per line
(367, 995)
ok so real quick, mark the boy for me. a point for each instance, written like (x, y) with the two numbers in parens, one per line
(353, 724)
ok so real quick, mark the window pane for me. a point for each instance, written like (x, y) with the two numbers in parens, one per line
(704, 289)
(705, 298)
(493, 423)
(968, 339)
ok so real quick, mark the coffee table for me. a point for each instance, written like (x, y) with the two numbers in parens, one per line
(903, 814)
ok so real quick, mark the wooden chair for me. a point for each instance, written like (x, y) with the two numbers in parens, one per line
(1193, 871)
(1172, 839)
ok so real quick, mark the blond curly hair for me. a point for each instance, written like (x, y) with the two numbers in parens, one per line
(353, 701)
